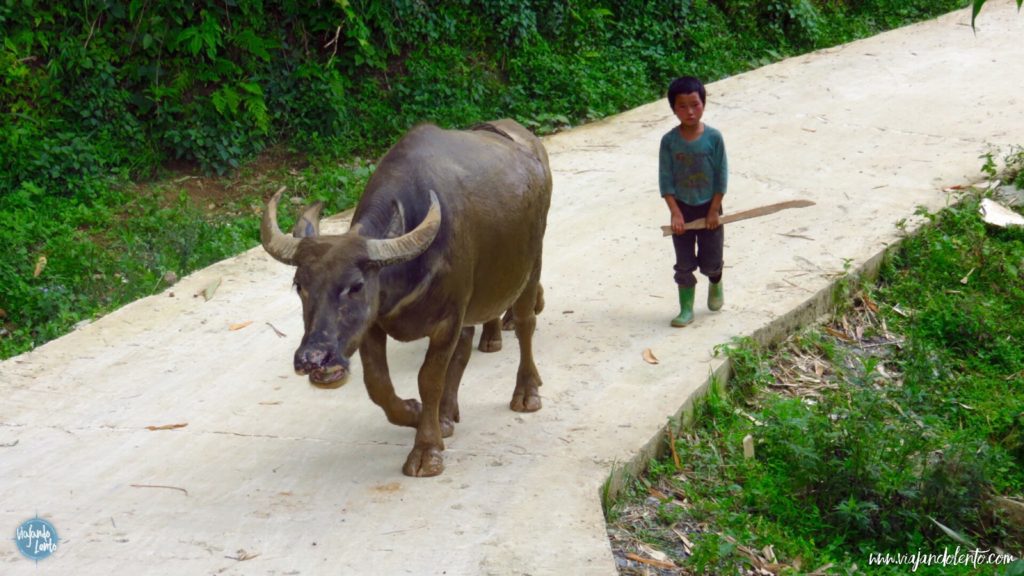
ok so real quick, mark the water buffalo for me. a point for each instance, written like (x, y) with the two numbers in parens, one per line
(448, 234)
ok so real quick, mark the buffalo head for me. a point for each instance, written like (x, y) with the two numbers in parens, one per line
(337, 278)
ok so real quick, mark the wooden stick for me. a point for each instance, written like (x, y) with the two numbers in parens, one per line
(672, 447)
(698, 224)
(651, 561)
(182, 490)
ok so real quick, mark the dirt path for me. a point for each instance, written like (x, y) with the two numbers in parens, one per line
(271, 476)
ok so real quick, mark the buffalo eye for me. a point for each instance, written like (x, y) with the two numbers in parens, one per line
(351, 290)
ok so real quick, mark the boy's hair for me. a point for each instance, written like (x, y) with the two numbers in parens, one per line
(685, 85)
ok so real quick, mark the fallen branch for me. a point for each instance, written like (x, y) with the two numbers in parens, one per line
(276, 331)
(182, 490)
(650, 562)
(167, 426)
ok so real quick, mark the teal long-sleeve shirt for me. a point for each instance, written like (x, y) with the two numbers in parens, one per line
(695, 171)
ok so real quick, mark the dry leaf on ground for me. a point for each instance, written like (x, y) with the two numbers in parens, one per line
(40, 266)
(210, 290)
(649, 356)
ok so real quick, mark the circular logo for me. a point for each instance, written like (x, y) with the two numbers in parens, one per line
(36, 539)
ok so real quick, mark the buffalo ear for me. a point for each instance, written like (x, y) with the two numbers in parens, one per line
(409, 245)
(396, 227)
(308, 224)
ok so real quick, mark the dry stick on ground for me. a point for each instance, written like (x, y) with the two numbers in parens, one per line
(650, 561)
(182, 490)
(167, 427)
(672, 447)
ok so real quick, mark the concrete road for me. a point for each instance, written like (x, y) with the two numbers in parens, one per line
(271, 476)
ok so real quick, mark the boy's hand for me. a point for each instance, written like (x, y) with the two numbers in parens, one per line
(711, 220)
(678, 223)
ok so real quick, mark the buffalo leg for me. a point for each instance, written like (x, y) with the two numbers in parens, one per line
(526, 397)
(373, 353)
(425, 459)
(490, 339)
(456, 367)
(508, 321)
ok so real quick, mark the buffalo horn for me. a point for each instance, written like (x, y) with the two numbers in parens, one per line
(410, 245)
(281, 247)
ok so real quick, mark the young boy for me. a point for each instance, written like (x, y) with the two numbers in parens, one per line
(692, 177)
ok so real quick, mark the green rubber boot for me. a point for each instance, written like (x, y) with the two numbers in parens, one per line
(716, 297)
(686, 295)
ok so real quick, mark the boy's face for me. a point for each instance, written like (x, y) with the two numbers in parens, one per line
(689, 109)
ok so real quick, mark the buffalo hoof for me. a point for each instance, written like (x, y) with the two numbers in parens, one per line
(447, 427)
(492, 345)
(490, 339)
(423, 462)
(523, 402)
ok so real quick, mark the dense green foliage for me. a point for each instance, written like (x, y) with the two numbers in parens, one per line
(913, 431)
(94, 95)
(123, 86)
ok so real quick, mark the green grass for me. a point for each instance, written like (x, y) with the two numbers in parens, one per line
(918, 427)
(99, 250)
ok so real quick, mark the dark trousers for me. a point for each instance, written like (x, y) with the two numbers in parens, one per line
(698, 249)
